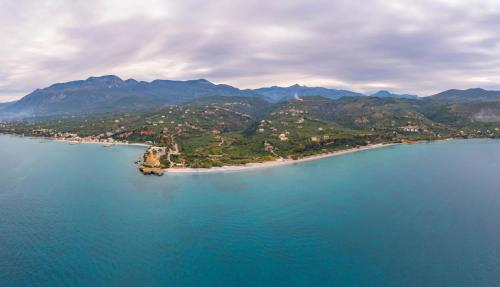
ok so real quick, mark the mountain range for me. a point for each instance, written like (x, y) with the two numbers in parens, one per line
(277, 94)
(387, 94)
(470, 95)
(111, 94)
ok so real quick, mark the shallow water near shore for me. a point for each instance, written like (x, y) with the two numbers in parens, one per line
(405, 215)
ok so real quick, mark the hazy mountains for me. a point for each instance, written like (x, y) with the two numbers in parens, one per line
(112, 94)
(387, 94)
(4, 105)
(470, 95)
(276, 94)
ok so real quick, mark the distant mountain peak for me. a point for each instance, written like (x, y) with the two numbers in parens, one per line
(200, 81)
(476, 90)
(469, 95)
(387, 94)
(106, 78)
(380, 93)
(276, 93)
(133, 81)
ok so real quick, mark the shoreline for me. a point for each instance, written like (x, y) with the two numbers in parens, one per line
(93, 142)
(116, 143)
(69, 141)
(276, 163)
(235, 168)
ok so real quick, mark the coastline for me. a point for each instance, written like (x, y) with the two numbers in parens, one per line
(231, 168)
(69, 141)
(94, 142)
(276, 163)
(115, 143)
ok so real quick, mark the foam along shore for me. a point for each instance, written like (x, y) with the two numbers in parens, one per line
(98, 142)
(280, 162)
(77, 142)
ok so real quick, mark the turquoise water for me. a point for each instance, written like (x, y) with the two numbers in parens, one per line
(408, 215)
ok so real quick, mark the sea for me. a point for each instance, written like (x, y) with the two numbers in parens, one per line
(425, 214)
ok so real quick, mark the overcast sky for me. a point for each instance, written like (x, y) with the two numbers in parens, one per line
(418, 47)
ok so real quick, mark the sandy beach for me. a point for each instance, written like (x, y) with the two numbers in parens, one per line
(268, 164)
(96, 142)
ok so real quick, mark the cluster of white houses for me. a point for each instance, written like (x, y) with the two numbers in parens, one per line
(410, 129)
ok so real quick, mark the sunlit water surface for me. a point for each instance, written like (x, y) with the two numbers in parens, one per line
(407, 215)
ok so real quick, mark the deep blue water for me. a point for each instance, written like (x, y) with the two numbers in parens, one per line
(408, 215)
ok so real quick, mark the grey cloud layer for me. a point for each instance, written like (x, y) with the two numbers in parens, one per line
(403, 46)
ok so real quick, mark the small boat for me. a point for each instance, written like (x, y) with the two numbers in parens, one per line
(74, 142)
(108, 145)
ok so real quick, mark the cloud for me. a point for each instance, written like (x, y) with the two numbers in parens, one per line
(403, 46)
